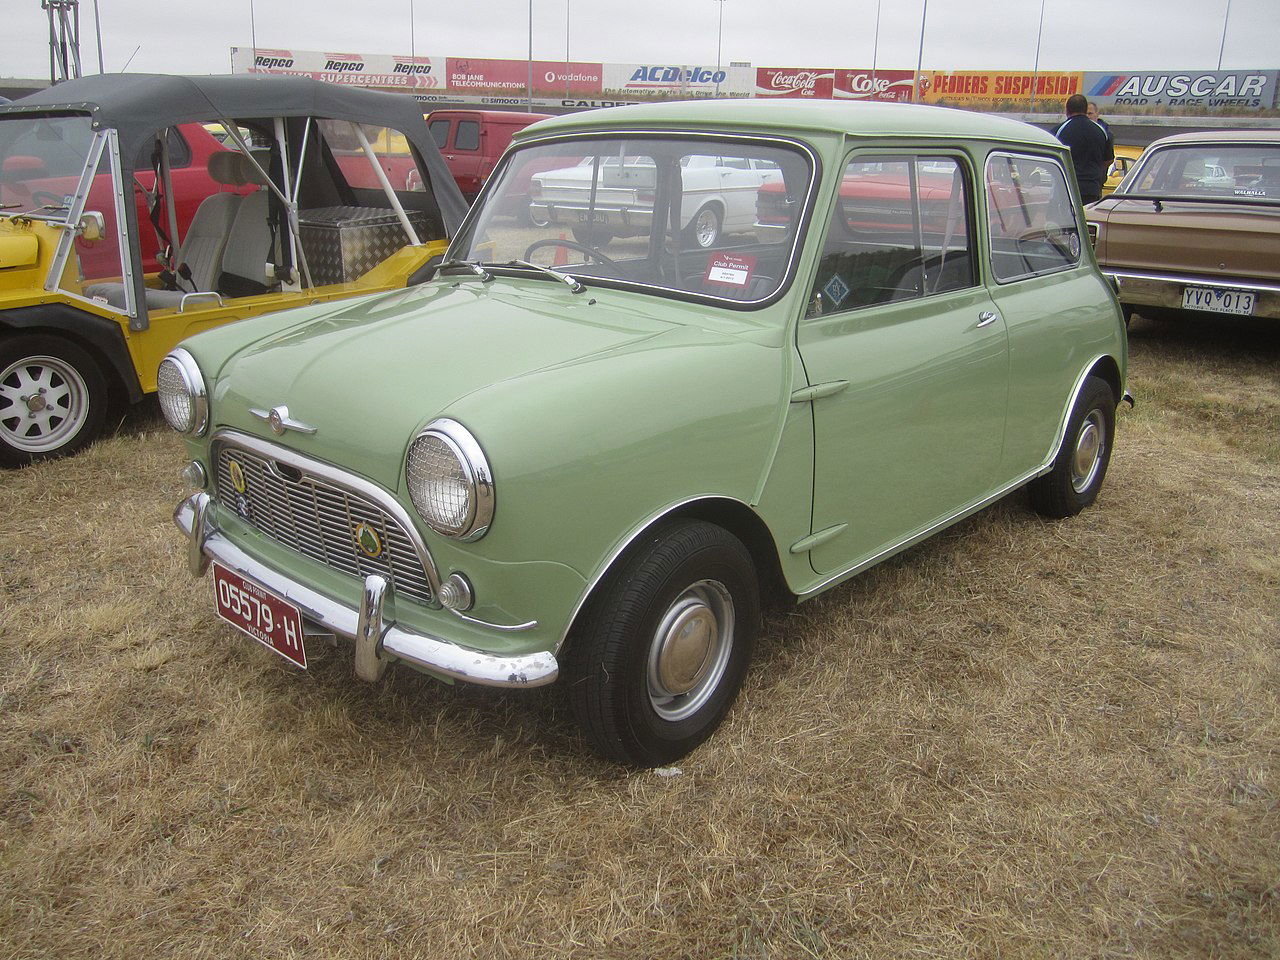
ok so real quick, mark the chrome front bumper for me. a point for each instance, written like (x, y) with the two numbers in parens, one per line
(377, 643)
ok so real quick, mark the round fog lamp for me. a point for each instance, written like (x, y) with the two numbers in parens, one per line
(456, 594)
(193, 473)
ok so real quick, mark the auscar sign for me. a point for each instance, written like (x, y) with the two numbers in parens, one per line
(1254, 89)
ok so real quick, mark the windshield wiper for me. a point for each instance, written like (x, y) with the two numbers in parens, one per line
(572, 283)
(471, 265)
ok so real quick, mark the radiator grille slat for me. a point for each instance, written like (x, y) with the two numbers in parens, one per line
(318, 520)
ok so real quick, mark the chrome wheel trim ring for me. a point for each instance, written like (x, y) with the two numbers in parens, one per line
(46, 392)
(689, 650)
(1086, 460)
(706, 231)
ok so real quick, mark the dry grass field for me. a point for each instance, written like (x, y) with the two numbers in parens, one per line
(1021, 739)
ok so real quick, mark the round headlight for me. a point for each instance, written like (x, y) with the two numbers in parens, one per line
(183, 399)
(449, 480)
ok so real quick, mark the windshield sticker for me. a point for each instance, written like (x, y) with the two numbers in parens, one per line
(734, 269)
(836, 290)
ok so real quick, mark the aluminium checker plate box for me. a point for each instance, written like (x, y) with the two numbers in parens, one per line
(344, 243)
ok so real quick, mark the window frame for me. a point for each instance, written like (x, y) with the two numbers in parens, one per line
(1072, 194)
(457, 134)
(913, 155)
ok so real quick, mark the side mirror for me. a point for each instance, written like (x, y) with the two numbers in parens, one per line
(22, 167)
(92, 226)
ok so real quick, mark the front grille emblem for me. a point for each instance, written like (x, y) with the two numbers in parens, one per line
(367, 540)
(237, 476)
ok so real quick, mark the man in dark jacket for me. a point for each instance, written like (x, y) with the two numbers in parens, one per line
(1089, 148)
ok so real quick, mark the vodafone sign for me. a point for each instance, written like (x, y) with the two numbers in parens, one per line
(466, 74)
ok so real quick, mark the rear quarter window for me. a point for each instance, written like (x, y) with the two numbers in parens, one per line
(1032, 217)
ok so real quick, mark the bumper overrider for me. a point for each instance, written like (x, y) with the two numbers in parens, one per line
(377, 643)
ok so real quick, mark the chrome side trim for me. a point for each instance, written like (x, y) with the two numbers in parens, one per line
(1066, 413)
(1193, 281)
(421, 650)
(340, 478)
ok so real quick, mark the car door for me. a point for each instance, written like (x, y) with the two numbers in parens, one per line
(907, 356)
(463, 154)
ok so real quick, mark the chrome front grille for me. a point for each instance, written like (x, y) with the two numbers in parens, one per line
(320, 520)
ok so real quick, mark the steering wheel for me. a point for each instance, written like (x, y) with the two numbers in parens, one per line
(46, 199)
(591, 252)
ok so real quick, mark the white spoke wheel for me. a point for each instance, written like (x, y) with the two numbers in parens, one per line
(703, 230)
(658, 657)
(1081, 462)
(52, 399)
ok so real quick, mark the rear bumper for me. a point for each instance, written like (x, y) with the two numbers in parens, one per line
(618, 219)
(1139, 289)
(376, 643)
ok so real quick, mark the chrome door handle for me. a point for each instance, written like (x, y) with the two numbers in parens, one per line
(986, 318)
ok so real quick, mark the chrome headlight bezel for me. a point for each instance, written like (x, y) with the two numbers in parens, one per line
(474, 467)
(197, 395)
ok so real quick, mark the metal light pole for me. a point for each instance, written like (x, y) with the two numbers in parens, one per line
(412, 49)
(97, 29)
(528, 103)
(253, 34)
(719, 44)
(1226, 18)
(1035, 71)
(566, 49)
(915, 82)
(875, 47)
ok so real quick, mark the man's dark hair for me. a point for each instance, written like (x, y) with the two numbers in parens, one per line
(1077, 103)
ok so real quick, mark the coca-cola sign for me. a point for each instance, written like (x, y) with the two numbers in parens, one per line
(794, 82)
(890, 85)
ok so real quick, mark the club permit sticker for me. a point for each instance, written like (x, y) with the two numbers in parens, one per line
(734, 269)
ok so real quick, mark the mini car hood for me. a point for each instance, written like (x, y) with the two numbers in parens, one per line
(369, 375)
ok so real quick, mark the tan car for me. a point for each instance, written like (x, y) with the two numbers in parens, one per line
(1195, 227)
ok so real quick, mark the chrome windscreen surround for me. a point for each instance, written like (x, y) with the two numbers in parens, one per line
(323, 513)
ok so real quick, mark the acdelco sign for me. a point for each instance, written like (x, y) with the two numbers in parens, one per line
(648, 76)
(1208, 88)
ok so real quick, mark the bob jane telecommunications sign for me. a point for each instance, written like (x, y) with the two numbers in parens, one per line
(1252, 89)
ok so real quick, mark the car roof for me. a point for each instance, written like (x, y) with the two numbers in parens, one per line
(1220, 136)
(813, 116)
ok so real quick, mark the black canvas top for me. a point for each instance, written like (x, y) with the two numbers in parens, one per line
(139, 105)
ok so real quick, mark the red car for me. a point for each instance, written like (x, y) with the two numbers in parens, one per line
(473, 140)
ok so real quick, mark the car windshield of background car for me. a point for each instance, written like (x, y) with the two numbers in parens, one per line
(709, 217)
(41, 160)
(1208, 170)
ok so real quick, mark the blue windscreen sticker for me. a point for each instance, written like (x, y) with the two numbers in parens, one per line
(836, 290)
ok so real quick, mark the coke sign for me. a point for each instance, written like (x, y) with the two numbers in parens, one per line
(889, 85)
(794, 82)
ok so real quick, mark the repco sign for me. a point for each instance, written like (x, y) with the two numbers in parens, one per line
(273, 63)
(410, 68)
(343, 66)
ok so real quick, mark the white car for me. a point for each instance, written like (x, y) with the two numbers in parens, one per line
(608, 197)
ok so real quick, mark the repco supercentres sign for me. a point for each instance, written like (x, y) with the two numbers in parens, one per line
(409, 73)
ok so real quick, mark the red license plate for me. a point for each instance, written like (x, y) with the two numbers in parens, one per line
(273, 622)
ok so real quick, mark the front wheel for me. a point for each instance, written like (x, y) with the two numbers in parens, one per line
(53, 399)
(1081, 463)
(662, 650)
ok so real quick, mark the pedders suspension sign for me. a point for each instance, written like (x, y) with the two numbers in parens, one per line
(794, 82)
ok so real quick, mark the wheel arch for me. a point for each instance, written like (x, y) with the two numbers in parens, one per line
(100, 337)
(732, 515)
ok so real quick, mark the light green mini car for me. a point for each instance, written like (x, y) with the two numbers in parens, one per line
(594, 454)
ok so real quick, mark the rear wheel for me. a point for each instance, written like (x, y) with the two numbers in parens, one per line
(1081, 463)
(663, 648)
(53, 399)
(703, 231)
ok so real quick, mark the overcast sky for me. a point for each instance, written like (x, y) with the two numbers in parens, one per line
(185, 36)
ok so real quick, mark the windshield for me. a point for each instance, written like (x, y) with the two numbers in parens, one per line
(41, 160)
(691, 215)
(1208, 170)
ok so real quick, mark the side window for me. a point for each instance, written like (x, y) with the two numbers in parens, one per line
(179, 152)
(900, 229)
(736, 163)
(439, 132)
(1033, 220)
(468, 135)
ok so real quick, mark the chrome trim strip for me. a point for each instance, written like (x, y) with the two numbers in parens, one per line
(138, 319)
(417, 649)
(622, 132)
(1193, 281)
(512, 628)
(347, 481)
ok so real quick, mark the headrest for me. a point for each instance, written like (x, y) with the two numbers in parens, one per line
(232, 168)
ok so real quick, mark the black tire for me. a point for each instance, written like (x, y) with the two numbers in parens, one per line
(592, 235)
(684, 580)
(66, 382)
(1073, 484)
(698, 238)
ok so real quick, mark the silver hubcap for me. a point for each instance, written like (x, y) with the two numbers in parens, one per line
(690, 650)
(43, 404)
(706, 229)
(1090, 444)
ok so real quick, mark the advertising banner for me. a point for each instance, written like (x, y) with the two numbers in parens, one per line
(1250, 89)
(470, 75)
(814, 82)
(376, 70)
(999, 89)
(664, 80)
(894, 86)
